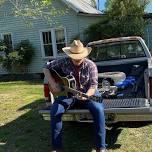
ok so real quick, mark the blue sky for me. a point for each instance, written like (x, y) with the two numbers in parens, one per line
(102, 3)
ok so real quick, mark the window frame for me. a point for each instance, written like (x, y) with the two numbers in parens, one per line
(8, 33)
(54, 44)
(121, 55)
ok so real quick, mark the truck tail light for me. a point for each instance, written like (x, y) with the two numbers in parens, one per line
(47, 93)
(150, 87)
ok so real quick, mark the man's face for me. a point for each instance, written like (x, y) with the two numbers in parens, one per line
(77, 62)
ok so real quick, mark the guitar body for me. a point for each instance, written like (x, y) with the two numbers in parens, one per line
(68, 85)
(62, 80)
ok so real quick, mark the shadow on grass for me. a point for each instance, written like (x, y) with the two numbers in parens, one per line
(111, 137)
(23, 82)
(136, 124)
(28, 78)
(115, 130)
(21, 77)
(27, 133)
(30, 133)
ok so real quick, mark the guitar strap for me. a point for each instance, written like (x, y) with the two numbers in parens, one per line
(77, 76)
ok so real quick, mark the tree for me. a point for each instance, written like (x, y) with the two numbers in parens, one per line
(122, 18)
(35, 9)
(127, 15)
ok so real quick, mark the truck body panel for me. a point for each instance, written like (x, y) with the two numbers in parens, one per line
(130, 99)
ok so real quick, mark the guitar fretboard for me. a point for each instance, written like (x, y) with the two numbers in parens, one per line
(76, 92)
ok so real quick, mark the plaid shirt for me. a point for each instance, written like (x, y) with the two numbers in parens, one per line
(88, 74)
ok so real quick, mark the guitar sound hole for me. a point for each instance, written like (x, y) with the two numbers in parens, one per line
(72, 85)
(69, 76)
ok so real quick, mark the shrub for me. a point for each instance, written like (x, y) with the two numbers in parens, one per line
(26, 51)
(2, 48)
(16, 60)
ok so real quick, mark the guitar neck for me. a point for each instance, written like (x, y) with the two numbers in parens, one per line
(71, 90)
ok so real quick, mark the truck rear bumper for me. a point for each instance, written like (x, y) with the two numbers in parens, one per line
(137, 109)
(111, 115)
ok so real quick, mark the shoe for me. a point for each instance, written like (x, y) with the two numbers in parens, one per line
(103, 150)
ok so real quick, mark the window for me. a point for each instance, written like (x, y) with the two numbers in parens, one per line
(8, 41)
(53, 40)
(47, 43)
(117, 50)
(60, 39)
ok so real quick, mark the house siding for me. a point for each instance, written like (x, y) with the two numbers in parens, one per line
(73, 23)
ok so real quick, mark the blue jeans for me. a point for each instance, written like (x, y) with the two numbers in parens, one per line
(62, 104)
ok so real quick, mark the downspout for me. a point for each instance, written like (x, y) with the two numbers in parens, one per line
(147, 29)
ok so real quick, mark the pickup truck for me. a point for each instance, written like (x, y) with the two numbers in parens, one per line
(125, 81)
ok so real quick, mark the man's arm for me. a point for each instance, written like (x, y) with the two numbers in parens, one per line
(46, 70)
(54, 86)
(93, 80)
(91, 92)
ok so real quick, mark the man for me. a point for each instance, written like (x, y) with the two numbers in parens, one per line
(86, 76)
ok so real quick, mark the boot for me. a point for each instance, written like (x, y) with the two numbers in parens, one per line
(57, 151)
(103, 150)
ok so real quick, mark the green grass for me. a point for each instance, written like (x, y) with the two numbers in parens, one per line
(22, 129)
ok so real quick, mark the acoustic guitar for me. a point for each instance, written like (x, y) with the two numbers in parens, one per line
(67, 85)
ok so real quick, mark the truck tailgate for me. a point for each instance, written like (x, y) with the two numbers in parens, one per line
(136, 107)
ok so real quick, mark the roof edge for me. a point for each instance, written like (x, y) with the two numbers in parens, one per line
(87, 14)
(71, 6)
(80, 11)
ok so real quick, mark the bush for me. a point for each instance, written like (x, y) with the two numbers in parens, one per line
(19, 58)
(12, 61)
(26, 51)
(2, 48)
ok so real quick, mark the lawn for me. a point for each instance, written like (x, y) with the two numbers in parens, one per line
(22, 129)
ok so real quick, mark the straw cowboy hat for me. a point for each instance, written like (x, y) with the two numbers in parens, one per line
(77, 51)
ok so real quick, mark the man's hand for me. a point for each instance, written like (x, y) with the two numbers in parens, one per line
(81, 97)
(89, 93)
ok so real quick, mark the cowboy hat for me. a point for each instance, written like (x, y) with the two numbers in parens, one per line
(77, 50)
